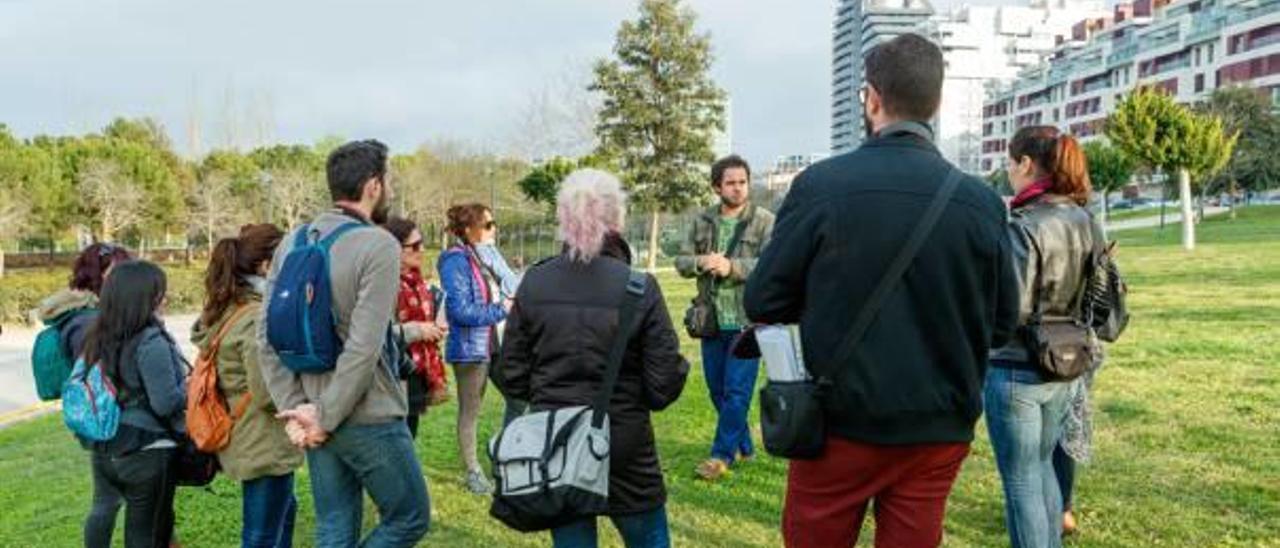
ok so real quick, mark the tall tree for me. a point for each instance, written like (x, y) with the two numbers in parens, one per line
(30, 182)
(1254, 164)
(1109, 171)
(1158, 133)
(660, 110)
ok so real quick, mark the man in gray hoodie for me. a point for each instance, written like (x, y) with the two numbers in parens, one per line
(351, 418)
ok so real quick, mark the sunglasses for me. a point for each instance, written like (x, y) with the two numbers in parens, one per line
(415, 246)
(491, 225)
(106, 250)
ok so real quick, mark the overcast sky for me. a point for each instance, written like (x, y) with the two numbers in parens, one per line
(406, 72)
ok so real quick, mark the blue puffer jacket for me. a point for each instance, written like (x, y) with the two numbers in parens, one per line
(471, 317)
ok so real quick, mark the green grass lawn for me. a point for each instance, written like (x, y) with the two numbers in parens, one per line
(1187, 442)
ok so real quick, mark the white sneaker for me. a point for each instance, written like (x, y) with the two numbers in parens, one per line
(478, 484)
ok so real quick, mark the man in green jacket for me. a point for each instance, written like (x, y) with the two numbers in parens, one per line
(721, 252)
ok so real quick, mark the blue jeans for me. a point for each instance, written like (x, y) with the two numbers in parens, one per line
(731, 382)
(1024, 419)
(268, 512)
(644, 530)
(373, 458)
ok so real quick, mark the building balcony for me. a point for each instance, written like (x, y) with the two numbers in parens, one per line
(1241, 16)
(1166, 40)
(1206, 28)
(1122, 55)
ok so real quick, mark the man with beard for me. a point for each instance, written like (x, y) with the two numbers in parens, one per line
(721, 252)
(351, 418)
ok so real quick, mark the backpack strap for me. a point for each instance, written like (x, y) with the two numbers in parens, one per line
(637, 282)
(216, 344)
(331, 238)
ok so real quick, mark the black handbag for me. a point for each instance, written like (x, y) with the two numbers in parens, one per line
(193, 467)
(701, 320)
(792, 415)
(1062, 347)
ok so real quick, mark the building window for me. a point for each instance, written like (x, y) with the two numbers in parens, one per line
(1211, 52)
(1199, 83)
(1197, 57)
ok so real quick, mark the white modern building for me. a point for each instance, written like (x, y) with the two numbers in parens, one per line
(1187, 49)
(980, 44)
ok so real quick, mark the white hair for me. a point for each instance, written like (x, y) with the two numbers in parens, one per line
(590, 205)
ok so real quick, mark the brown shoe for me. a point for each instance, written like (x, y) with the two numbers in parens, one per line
(1068, 523)
(713, 469)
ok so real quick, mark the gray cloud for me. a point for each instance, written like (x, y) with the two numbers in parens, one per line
(406, 72)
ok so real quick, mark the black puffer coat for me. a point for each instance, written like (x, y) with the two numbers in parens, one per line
(553, 355)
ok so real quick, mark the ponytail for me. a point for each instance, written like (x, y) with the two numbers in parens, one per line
(1057, 155)
(232, 260)
(1070, 171)
(221, 284)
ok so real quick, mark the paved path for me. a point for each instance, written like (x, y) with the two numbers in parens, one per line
(17, 386)
(1171, 217)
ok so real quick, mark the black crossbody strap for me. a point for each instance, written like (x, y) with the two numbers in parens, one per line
(636, 285)
(899, 267)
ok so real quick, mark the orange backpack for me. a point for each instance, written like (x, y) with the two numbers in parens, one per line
(208, 423)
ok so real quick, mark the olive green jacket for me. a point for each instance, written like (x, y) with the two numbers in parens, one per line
(702, 241)
(259, 446)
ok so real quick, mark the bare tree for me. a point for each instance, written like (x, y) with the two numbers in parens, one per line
(558, 118)
(215, 209)
(293, 195)
(115, 203)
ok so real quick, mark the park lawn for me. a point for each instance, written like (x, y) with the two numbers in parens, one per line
(1187, 442)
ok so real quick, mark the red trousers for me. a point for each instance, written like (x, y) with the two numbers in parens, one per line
(827, 498)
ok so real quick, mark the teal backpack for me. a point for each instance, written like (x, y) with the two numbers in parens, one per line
(50, 364)
(90, 407)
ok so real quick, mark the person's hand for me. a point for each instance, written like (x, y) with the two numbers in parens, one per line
(303, 426)
(718, 265)
(432, 332)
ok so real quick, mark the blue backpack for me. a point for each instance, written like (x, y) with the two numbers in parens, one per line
(300, 324)
(89, 404)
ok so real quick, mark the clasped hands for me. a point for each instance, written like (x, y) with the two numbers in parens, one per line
(303, 426)
(717, 264)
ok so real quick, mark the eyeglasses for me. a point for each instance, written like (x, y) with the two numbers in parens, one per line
(415, 246)
(490, 225)
(106, 250)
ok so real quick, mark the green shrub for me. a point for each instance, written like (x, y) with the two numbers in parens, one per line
(21, 291)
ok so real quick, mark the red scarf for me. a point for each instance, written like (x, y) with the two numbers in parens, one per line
(416, 303)
(1035, 190)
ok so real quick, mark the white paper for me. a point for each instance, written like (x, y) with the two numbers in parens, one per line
(781, 351)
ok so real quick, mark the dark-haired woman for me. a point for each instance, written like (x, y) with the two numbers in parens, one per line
(259, 454)
(420, 323)
(142, 361)
(474, 306)
(1050, 230)
(72, 309)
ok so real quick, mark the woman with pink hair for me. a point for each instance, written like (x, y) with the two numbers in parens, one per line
(556, 349)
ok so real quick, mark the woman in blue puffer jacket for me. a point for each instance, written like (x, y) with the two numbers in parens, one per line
(475, 308)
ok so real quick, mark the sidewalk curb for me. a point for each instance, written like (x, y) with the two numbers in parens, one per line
(29, 412)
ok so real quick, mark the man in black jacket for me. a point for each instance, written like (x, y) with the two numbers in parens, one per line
(900, 413)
